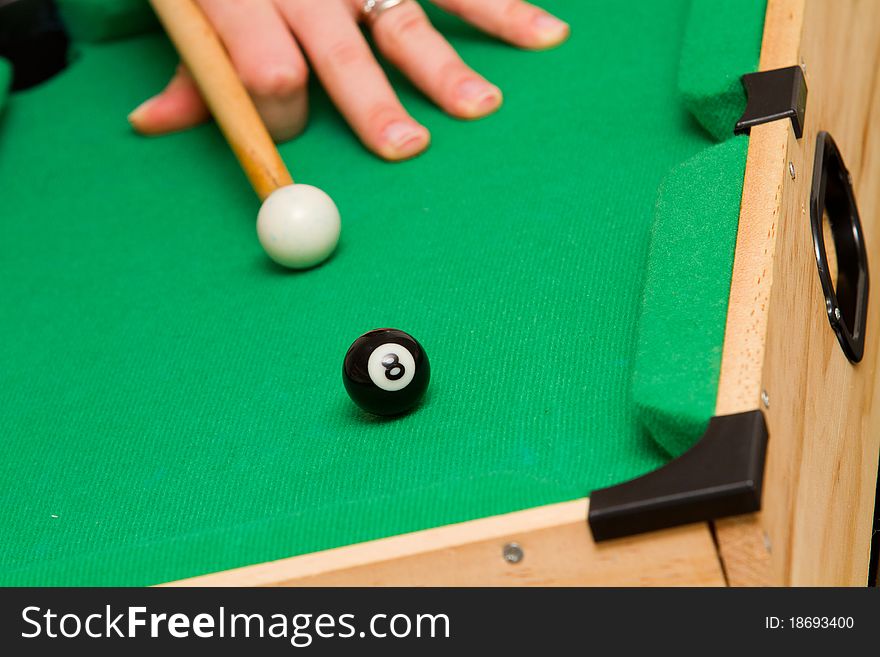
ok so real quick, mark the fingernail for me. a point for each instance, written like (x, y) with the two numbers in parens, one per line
(478, 96)
(139, 112)
(402, 133)
(551, 29)
(403, 139)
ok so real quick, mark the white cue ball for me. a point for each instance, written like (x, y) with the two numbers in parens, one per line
(298, 226)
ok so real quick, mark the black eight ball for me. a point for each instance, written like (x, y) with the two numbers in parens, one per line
(386, 372)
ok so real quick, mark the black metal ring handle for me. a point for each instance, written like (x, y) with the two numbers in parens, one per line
(832, 196)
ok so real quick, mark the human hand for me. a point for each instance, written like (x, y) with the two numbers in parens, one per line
(269, 40)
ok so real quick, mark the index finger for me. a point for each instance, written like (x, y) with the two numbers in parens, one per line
(517, 22)
(342, 59)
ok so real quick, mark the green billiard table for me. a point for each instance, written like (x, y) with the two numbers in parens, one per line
(580, 268)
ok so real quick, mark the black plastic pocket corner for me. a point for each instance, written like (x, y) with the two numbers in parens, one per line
(832, 199)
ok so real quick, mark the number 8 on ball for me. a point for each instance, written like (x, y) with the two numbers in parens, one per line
(386, 372)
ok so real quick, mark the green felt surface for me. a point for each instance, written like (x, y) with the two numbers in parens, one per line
(678, 354)
(722, 42)
(681, 326)
(171, 403)
(106, 20)
(5, 81)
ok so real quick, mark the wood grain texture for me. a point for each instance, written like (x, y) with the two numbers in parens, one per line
(824, 413)
(223, 92)
(739, 383)
(557, 545)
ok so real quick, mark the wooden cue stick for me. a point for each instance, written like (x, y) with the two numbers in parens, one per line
(204, 55)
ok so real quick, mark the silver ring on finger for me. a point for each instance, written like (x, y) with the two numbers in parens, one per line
(373, 9)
